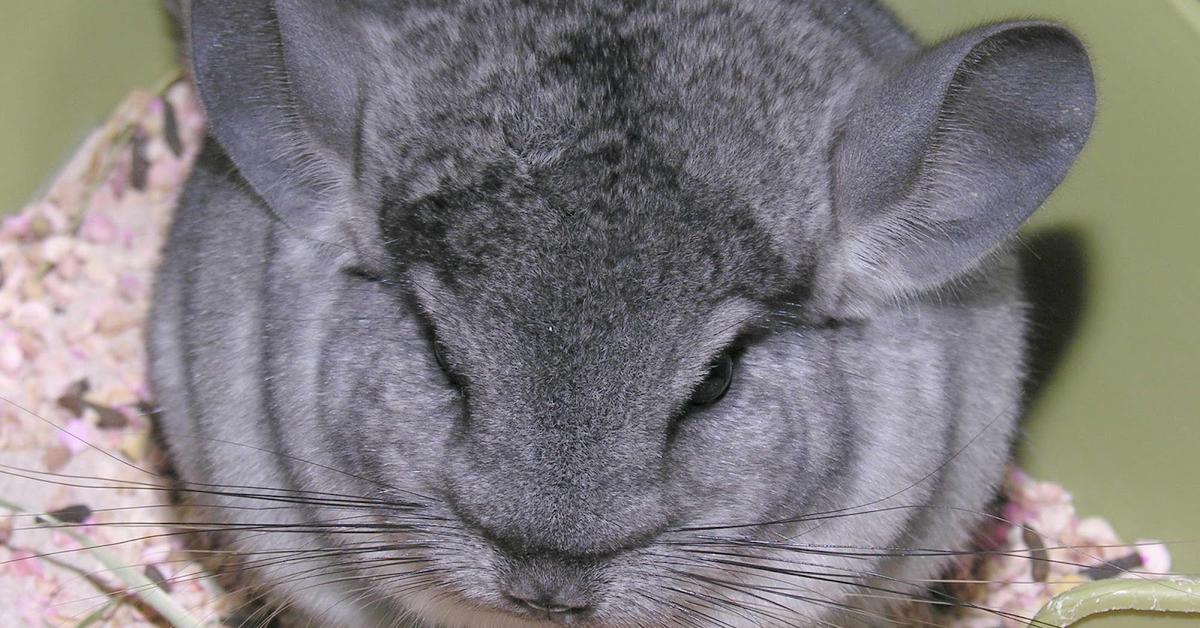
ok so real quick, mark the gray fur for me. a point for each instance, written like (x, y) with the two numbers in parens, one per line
(583, 203)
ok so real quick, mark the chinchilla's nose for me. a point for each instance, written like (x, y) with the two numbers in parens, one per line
(556, 592)
(547, 494)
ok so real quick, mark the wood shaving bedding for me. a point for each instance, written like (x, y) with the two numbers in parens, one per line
(77, 268)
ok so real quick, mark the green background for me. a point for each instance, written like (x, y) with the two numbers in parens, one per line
(1113, 254)
(63, 65)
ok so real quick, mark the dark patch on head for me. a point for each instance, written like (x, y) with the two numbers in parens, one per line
(588, 158)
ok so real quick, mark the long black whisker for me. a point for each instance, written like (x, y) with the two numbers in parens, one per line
(825, 514)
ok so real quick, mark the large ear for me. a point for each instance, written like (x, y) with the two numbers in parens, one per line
(945, 156)
(281, 84)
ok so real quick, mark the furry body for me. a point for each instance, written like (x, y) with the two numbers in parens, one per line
(581, 204)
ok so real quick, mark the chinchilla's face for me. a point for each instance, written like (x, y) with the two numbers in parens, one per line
(647, 306)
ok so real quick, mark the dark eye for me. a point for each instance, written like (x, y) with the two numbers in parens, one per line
(362, 273)
(720, 375)
(439, 355)
(441, 358)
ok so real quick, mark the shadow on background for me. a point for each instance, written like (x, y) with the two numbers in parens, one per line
(1055, 274)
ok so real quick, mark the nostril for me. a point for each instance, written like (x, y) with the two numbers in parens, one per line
(555, 606)
(550, 589)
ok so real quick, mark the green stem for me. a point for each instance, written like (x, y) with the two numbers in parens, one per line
(136, 581)
(1168, 595)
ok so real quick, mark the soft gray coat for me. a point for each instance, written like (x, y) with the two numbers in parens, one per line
(452, 286)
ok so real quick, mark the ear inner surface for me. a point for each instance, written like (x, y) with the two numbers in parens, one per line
(241, 60)
(944, 158)
(323, 51)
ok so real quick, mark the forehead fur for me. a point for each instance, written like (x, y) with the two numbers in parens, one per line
(574, 143)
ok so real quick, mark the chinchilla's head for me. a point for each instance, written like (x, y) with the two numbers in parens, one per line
(637, 296)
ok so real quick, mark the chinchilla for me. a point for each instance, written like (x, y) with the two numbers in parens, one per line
(606, 313)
